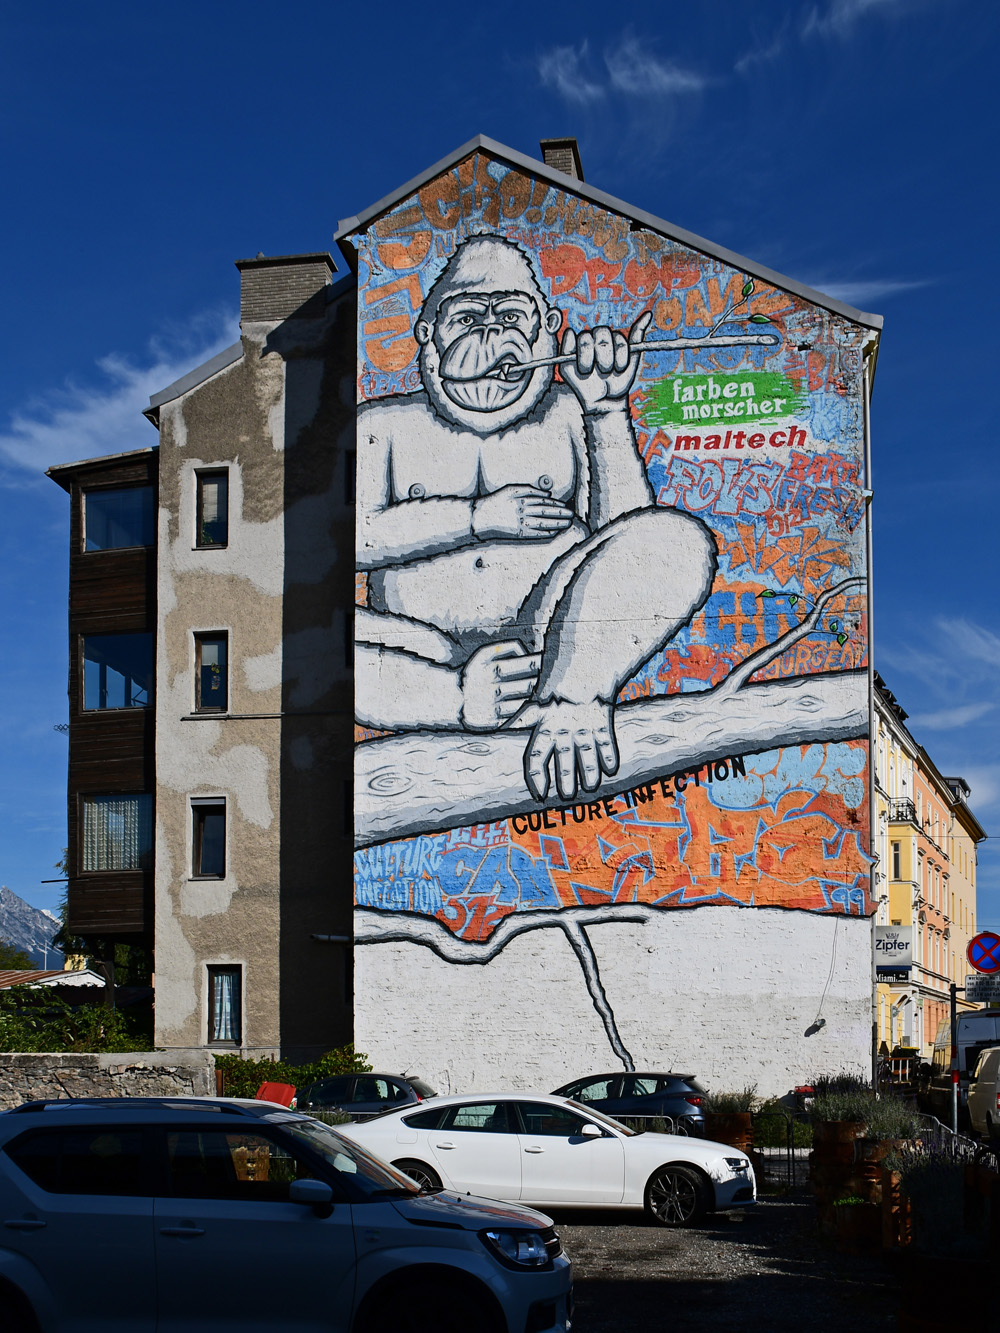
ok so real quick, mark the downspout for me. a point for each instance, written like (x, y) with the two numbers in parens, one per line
(872, 812)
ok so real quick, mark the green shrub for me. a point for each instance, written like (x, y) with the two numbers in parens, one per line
(732, 1103)
(242, 1078)
(34, 1018)
(770, 1127)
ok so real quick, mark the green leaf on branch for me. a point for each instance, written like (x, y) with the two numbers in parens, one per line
(748, 287)
(793, 599)
(841, 639)
(834, 626)
(759, 319)
(767, 593)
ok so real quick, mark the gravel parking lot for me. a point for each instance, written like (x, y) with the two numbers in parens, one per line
(762, 1270)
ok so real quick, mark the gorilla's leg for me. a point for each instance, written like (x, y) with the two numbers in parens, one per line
(607, 607)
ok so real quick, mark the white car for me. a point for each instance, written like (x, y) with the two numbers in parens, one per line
(555, 1152)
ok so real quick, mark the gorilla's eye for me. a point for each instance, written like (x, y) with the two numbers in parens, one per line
(466, 319)
(510, 316)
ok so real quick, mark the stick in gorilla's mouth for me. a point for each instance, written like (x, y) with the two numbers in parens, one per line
(507, 368)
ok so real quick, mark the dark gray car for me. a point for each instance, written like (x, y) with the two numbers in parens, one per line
(678, 1096)
(362, 1094)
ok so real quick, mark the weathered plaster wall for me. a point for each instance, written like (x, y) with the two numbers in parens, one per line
(277, 420)
(726, 995)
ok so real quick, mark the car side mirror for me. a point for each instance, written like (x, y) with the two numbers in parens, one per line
(316, 1193)
(591, 1132)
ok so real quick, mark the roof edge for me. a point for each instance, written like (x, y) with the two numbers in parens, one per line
(615, 205)
(227, 357)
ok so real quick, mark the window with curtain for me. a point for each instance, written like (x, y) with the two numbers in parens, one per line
(212, 508)
(225, 985)
(117, 832)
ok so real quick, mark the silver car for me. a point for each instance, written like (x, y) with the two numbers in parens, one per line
(180, 1215)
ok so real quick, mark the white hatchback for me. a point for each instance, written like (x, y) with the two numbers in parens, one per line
(557, 1153)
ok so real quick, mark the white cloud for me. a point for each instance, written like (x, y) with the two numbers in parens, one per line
(948, 718)
(855, 293)
(984, 781)
(562, 69)
(840, 16)
(760, 55)
(967, 640)
(637, 73)
(105, 417)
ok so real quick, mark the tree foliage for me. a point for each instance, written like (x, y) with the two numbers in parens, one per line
(13, 959)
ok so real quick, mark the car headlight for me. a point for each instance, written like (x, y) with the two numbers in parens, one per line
(737, 1163)
(521, 1249)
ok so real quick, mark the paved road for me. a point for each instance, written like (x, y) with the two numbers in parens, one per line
(765, 1270)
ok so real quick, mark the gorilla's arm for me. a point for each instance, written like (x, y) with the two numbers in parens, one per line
(618, 482)
(390, 533)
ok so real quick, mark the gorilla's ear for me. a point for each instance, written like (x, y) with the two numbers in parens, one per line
(553, 318)
(423, 331)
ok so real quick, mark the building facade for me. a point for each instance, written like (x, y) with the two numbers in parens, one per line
(927, 844)
(612, 687)
(549, 521)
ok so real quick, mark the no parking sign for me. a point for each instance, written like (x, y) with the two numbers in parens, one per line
(984, 952)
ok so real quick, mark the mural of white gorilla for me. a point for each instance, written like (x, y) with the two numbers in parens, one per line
(519, 571)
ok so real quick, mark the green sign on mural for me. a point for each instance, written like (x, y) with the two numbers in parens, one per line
(722, 397)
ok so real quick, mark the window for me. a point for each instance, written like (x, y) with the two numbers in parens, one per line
(481, 1118)
(211, 672)
(117, 832)
(209, 840)
(114, 519)
(117, 671)
(378, 1090)
(214, 1164)
(212, 517)
(896, 862)
(542, 1119)
(83, 1161)
(225, 1004)
(594, 1090)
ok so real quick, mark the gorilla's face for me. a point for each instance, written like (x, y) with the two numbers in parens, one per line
(471, 354)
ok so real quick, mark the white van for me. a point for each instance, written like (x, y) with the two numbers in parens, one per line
(984, 1095)
(977, 1031)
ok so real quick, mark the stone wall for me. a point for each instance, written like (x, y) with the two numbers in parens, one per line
(126, 1074)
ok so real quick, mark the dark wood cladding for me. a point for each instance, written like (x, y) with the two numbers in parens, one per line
(118, 903)
(110, 751)
(111, 592)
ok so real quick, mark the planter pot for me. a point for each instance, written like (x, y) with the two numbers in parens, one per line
(734, 1128)
(858, 1227)
(828, 1132)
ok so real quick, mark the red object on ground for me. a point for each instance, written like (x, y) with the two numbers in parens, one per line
(283, 1093)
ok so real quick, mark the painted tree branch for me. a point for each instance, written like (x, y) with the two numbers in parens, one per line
(430, 780)
(427, 781)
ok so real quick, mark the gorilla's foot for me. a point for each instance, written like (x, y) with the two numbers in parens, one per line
(578, 740)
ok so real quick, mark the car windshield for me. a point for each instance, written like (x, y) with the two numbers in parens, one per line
(606, 1120)
(361, 1174)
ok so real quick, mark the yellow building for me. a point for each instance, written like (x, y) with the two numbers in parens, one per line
(926, 839)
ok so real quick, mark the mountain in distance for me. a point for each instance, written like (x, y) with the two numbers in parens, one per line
(29, 928)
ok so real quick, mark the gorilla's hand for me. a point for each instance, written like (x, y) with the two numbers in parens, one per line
(579, 739)
(605, 365)
(496, 681)
(519, 511)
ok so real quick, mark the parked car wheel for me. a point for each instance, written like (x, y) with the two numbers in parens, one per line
(425, 1176)
(430, 1305)
(14, 1316)
(676, 1196)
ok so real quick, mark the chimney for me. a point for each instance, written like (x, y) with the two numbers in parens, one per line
(283, 286)
(562, 155)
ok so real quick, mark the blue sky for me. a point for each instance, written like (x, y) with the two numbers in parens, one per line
(850, 144)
